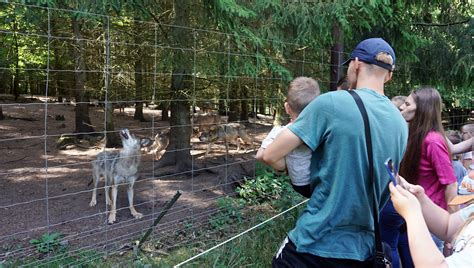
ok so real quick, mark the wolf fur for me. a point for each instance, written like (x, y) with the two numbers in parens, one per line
(119, 168)
(206, 121)
(160, 143)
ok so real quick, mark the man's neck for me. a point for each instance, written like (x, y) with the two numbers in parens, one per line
(371, 83)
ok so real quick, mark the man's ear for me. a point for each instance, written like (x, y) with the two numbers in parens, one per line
(388, 77)
(287, 108)
(356, 63)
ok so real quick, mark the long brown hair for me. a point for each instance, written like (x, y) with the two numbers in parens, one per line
(427, 118)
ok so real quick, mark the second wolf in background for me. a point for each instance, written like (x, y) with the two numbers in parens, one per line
(234, 133)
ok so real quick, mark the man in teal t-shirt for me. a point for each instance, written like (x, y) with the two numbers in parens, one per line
(336, 228)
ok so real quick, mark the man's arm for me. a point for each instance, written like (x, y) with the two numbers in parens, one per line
(259, 155)
(284, 143)
(462, 147)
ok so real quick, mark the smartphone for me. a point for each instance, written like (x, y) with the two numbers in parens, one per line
(392, 171)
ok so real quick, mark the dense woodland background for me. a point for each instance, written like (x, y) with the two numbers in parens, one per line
(235, 56)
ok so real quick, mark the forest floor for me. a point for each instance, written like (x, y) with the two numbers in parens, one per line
(44, 189)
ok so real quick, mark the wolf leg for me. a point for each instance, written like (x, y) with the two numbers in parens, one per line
(113, 207)
(208, 148)
(135, 213)
(95, 178)
(107, 194)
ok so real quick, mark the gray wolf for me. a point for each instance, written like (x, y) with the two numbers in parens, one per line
(206, 121)
(119, 168)
(160, 143)
(233, 133)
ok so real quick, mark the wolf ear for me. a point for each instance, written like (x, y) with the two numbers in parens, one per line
(145, 142)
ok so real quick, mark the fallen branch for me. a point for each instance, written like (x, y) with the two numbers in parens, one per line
(440, 24)
(137, 247)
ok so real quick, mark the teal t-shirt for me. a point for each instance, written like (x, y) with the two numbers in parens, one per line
(337, 221)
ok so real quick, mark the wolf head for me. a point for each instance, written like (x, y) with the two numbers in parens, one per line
(132, 143)
(209, 135)
(162, 139)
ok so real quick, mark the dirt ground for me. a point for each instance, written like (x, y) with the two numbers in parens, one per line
(44, 189)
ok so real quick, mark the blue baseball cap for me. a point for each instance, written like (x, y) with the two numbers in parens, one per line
(368, 50)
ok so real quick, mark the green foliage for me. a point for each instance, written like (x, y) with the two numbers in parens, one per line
(229, 213)
(268, 187)
(48, 242)
(264, 187)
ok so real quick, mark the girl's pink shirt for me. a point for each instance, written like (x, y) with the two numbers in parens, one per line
(435, 171)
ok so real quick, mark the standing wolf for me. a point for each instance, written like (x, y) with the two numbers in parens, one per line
(119, 168)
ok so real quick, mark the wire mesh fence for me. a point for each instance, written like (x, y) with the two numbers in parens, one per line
(83, 77)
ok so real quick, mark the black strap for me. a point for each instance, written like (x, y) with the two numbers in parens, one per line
(368, 142)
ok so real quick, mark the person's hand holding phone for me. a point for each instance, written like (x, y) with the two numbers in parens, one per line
(417, 190)
(392, 171)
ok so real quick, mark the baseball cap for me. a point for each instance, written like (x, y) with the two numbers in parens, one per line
(467, 155)
(465, 191)
(368, 50)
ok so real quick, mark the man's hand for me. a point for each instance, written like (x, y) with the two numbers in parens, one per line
(283, 144)
(405, 203)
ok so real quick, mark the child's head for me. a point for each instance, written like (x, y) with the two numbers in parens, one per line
(454, 136)
(398, 101)
(467, 131)
(301, 92)
(343, 84)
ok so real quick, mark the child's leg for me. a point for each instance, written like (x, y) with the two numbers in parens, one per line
(304, 190)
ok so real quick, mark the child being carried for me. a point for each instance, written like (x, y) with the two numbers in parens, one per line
(301, 92)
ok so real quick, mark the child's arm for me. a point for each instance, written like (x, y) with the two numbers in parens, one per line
(422, 247)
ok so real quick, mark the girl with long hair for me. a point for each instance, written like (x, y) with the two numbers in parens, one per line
(426, 162)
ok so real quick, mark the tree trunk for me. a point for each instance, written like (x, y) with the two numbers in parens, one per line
(336, 55)
(57, 76)
(178, 152)
(1, 113)
(234, 102)
(138, 78)
(112, 137)
(164, 110)
(16, 76)
(261, 101)
(83, 122)
(138, 91)
(244, 104)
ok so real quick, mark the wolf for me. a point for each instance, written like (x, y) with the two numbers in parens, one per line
(119, 168)
(233, 133)
(160, 143)
(206, 121)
